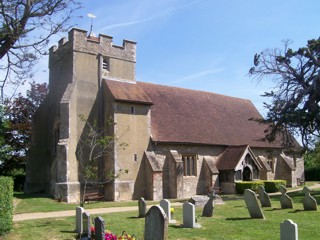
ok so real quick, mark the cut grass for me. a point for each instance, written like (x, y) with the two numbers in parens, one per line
(230, 221)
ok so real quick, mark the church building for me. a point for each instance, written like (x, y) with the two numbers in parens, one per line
(180, 142)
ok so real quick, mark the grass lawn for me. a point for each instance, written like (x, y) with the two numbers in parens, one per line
(230, 221)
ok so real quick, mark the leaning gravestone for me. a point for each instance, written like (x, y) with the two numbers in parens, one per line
(309, 203)
(288, 230)
(79, 212)
(209, 206)
(156, 224)
(165, 205)
(252, 204)
(142, 208)
(264, 197)
(285, 200)
(99, 228)
(86, 233)
(189, 216)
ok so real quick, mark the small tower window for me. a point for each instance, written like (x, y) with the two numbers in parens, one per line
(106, 64)
(135, 157)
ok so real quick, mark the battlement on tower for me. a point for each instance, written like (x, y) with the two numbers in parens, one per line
(78, 40)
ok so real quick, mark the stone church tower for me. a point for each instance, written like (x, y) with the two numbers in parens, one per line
(77, 67)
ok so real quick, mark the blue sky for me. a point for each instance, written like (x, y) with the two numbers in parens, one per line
(203, 44)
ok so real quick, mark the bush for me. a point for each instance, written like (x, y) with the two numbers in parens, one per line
(253, 185)
(6, 204)
(274, 185)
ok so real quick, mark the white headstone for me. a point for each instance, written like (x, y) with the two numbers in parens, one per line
(288, 230)
(142, 207)
(189, 216)
(156, 224)
(252, 204)
(79, 212)
(165, 205)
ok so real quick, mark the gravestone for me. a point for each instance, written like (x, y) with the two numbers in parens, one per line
(142, 208)
(252, 204)
(99, 228)
(285, 200)
(199, 201)
(288, 230)
(86, 232)
(209, 206)
(156, 224)
(189, 216)
(165, 205)
(264, 197)
(79, 212)
(309, 203)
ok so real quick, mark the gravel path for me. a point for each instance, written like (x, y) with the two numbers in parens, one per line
(69, 213)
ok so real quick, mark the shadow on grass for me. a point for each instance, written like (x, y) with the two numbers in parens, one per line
(237, 219)
(273, 209)
(134, 217)
(21, 195)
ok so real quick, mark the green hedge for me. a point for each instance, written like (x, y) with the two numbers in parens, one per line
(253, 185)
(273, 186)
(6, 204)
(269, 186)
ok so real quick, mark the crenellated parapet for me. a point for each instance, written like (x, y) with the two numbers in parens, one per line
(78, 40)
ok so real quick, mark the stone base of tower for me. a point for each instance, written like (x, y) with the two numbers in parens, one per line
(69, 192)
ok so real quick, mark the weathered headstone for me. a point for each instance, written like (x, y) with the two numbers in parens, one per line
(199, 201)
(288, 230)
(142, 208)
(99, 228)
(165, 205)
(79, 212)
(264, 197)
(209, 206)
(86, 223)
(156, 224)
(189, 216)
(285, 200)
(309, 203)
(252, 204)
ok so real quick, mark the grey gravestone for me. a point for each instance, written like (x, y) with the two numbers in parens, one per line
(285, 200)
(199, 201)
(142, 208)
(156, 224)
(208, 207)
(252, 204)
(165, 205)
(189, 216)
(288, 230)
(309, 203)
(79, 212)
(264, 197)
(99, 228)
(86, 233)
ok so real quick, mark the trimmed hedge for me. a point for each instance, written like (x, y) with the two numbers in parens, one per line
(6, 204)
(253, 185)
(270, 186)
(273, 186)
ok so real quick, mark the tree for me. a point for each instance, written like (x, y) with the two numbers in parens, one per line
(93, 146)
(25, 30)
(294, 109)
(18, 115)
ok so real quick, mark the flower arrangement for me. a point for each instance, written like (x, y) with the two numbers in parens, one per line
(110, 236)
(172, 212)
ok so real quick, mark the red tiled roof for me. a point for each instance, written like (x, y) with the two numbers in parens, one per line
(230, 157)
(187, 116)
(127, 92)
